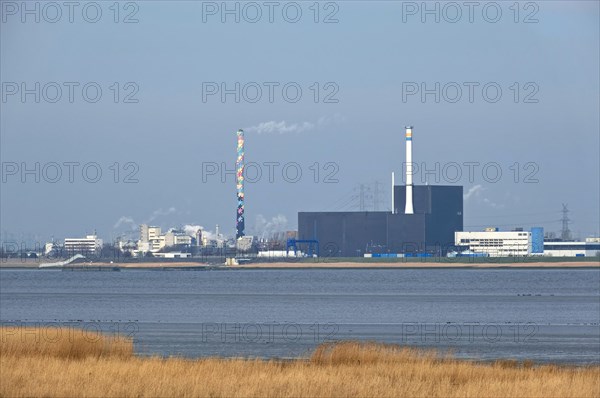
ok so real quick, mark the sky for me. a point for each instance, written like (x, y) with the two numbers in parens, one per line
(115, 116)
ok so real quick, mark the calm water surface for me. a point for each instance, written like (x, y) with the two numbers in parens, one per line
(548, 315)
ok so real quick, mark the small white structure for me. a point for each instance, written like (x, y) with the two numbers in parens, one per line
(173, 255)
(48, 247)
(279, 253)
(231, 261)
(495, 243)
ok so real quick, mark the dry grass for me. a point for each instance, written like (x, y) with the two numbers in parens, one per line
(65, 343)
(104, 366)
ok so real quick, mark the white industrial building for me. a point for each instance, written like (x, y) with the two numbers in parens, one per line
(589, 248)
(89, 245)
(153, 240)
(175, 237)
(495, 243)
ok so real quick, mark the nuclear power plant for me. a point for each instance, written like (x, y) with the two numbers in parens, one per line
(426, 227)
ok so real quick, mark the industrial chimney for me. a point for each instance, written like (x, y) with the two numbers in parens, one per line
(408, 209)
(393, 200)
(239, 165)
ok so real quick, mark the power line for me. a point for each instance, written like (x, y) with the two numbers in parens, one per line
(340, 199)
(565, 233)
(378, 196)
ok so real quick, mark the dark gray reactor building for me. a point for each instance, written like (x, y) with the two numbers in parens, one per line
(432, 213)
(438, 213)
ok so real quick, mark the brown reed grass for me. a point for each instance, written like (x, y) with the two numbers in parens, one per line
(104, 366)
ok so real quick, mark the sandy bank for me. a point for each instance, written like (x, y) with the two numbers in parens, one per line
(419, 265)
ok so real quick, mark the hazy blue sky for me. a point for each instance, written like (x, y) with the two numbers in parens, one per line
(374, 53)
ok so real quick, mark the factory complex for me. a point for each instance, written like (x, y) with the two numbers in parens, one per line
(424, 221)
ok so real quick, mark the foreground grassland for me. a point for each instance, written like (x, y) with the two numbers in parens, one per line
(69, 363)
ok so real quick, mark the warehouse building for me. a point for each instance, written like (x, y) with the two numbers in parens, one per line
(589, 248)
(495, 243)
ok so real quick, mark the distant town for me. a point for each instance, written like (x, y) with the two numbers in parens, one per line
(186, 242)
(183, 242)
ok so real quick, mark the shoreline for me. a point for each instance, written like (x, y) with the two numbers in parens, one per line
(412, 265)
(279, 265)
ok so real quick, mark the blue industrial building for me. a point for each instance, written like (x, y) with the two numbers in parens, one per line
(537, 240)
(438, 213)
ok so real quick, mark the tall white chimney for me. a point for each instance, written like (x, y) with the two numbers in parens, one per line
(408, 209)
(393, 204)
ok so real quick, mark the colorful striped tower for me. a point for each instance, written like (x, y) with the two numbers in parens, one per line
(239, 165)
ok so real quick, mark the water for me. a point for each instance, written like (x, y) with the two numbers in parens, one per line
(547, 315)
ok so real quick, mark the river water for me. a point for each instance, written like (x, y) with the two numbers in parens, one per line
(546, 315)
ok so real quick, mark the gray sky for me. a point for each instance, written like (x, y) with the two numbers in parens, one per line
(364, 66)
